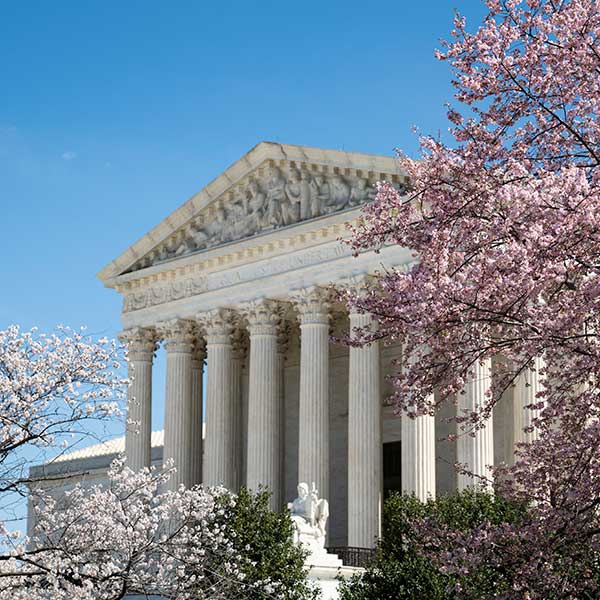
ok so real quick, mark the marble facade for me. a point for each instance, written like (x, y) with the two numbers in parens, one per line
(236, 287)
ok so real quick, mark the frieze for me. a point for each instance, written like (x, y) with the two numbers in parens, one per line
(269, 198)
(163, 292)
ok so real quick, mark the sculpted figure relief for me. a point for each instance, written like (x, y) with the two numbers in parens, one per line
(293, 192)
(359, 192)
(309, 515)
(321, 197)
(278, 198)
(305, 209)
(256, 204)
(275, 196)
(339, 194)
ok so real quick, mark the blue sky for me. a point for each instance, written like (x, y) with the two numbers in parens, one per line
(112, 114)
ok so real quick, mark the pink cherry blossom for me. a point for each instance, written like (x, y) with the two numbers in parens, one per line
(504, 226)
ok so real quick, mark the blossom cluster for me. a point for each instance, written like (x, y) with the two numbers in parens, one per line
(504, 227)
(125, 537)
(50, 385)
(106, 541)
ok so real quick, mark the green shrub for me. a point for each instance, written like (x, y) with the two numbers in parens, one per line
(264, 540)
(398, 571)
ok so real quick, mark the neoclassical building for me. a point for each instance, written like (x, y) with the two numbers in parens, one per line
(236, 286)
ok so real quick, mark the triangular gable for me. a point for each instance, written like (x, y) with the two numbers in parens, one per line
(272, 186)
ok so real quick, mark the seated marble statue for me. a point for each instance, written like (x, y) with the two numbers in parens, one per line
(309, 515)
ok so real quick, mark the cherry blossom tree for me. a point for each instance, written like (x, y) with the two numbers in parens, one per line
(104, 542)
(53, 389)
(123, 538)
(504, 226)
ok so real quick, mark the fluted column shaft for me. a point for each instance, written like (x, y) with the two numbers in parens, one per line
(141, 345)
(418, 456)
(313, 462)
(178, 401)
(218, 444)
(196, 414)
(364, 441)
(263, 401)
(476, 451)
(527, 387)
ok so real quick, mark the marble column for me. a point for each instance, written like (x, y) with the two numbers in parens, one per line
(418, 456)
(364, 440)
(476, 451)
(178, 335)
(141, 345)
(218, 442)
(263, 401)
(313, 445)
(238, 356)
(198, 356)
(527, 387)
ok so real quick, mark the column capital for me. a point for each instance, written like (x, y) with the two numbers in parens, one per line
(312, 304)
(355, 284)
(218, 325)
(239, 344)
(178, 334)
(355, 287)
(198, 353)
(142, 343)
(284, 333)
(262, 316)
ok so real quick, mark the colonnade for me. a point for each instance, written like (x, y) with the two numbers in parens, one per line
(257, 332)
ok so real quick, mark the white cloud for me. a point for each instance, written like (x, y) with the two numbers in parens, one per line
(68, 155)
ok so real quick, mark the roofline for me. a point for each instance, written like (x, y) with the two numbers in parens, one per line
(239, 169)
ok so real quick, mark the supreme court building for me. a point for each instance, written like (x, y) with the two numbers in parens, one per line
(236, 287)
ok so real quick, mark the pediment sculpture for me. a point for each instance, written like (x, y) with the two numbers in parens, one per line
(309, 515)
(276, 200)
(267, 199)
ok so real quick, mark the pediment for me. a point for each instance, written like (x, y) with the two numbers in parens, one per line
(272, 187)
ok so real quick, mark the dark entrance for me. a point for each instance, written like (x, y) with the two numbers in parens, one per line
(392, 468)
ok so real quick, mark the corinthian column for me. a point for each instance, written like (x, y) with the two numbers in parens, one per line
(141, 345)
(476, 451)
(313, 463)
(218, 443)
(418, 455)
(178, 400)
(527, 387)
(364, 440)
(263, 401)
(198, 356)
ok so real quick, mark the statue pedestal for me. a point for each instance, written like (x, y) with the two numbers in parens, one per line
(325, 569)
(309, 515)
